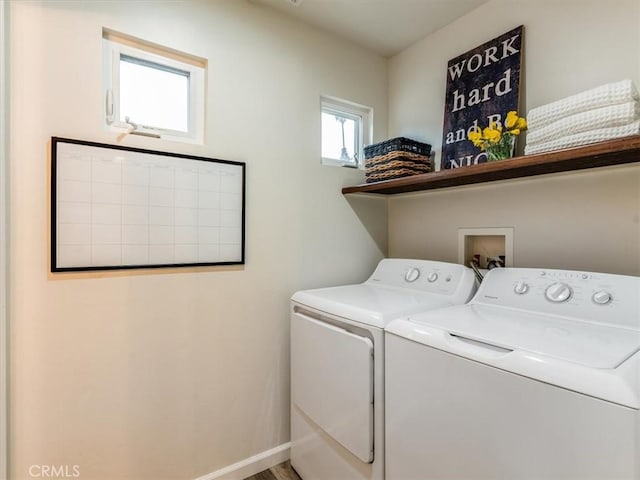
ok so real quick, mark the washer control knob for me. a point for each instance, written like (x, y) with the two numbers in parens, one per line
(558, 292)
(433, 276)
(412, 274)
(601, 297)
(521, 288)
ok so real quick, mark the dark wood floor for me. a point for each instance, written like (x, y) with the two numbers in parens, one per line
(282, 471)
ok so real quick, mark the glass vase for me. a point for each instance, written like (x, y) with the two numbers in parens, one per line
(501, 150)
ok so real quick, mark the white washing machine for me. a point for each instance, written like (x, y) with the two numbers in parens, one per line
(537, 378)
(337, 363)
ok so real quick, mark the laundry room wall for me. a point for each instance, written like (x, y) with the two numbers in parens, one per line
(588, 220)
(173, 374)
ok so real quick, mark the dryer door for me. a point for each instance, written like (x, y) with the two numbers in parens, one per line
(332, 381)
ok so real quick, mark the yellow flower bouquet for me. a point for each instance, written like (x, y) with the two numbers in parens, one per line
(497, 140)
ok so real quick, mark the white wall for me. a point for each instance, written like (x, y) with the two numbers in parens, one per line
(3, 240)
(174, 374)
(588, 220)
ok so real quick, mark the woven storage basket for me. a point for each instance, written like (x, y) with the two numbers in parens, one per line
(396, 158)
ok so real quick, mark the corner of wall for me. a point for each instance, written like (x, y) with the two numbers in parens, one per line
(3, 239)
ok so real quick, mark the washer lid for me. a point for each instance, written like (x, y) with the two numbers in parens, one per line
(596, 360)
(373, 305)
(588, 344)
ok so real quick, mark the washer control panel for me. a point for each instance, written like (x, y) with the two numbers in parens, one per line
(520, 288)
(602, 297)
(599, 297)
(558, 292)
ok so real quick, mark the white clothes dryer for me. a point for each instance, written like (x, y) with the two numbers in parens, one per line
(537, 378)
(337, 363)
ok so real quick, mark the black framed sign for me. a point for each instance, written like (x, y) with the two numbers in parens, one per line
(483, 85)
(116, 207)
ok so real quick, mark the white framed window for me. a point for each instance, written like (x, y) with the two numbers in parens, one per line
(346, 127)
(152, 90)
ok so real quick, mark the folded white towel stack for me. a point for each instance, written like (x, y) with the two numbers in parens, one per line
(602, 113)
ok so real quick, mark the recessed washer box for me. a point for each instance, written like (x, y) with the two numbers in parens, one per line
(488, 242)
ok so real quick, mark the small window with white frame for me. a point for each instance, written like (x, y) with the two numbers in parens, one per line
(152, 90)
(346, 128)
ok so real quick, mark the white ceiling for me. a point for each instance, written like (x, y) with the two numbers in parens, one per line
(384, 26)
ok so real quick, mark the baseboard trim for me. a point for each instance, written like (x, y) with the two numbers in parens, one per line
(252, 465)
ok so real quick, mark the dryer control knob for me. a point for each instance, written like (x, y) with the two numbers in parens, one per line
(558, 292)
(412, 274)
(433, 276)
(521, 288)
(601, 297)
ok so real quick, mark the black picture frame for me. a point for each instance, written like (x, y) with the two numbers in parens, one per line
(481, 83)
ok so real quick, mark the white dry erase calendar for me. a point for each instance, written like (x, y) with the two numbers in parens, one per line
(115, 207)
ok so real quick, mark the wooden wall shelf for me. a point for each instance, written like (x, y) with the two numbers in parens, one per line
(603, 154)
